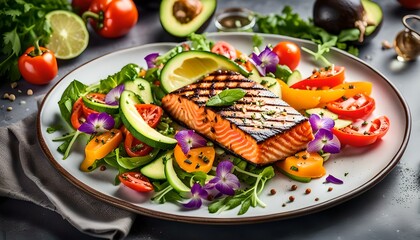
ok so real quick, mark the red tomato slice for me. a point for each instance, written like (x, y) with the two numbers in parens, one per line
(136, 181)
(151, 113)
(322, 78)
(135, 147)
(288, 53)
(225, 49)
(77, 116)
(358, 106)
(363, 136)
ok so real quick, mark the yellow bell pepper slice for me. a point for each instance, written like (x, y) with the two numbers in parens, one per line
(99, 147)
(353, 88)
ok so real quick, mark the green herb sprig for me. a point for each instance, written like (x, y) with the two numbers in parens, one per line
(226, 97)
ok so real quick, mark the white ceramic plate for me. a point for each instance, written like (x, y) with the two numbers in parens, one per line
(359, 168)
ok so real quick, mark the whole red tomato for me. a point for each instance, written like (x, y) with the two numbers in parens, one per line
(112, 18)
(80, 6)
(38, 69)
(288, 53)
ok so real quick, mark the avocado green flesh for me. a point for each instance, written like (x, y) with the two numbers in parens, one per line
(374, 15)
(174, 27)
(136, 125)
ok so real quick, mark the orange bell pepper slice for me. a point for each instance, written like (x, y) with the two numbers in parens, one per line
(303, 165)
(197, 159)
(99, 147)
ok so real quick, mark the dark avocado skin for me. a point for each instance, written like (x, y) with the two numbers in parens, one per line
(336, 15)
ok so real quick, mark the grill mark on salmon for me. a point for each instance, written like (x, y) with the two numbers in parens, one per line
(260, 127)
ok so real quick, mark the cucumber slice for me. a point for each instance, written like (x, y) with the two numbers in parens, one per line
(188, 67)
(135, 162)
(173, 179)
(142, 88)
(342, 123)
(156, 169)
(323, 112)
(294, 78)
(100, 107)
(136, 125)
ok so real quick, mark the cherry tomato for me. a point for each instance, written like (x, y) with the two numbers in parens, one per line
(358, 106)
(150, 113)
(135, 147)
(288, 53)
(80, 6)
(38, 69)
(225, 49)
(322, 79)
(136, 181)
(364, 133)
(115, 18)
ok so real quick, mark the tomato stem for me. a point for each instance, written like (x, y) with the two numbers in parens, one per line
(99, 17)
(37, 51)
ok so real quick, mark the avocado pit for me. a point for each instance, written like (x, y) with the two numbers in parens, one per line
(186, 10)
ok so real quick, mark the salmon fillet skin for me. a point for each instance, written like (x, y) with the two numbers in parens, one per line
(261, 128)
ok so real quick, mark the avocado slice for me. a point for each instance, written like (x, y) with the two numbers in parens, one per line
(374, 16)
(183, 17)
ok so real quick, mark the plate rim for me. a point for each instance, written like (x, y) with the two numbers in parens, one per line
(232, 221)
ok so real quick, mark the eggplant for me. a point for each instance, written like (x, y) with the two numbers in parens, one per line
(337, 15)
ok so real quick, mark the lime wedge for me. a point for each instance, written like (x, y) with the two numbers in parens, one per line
(70, 36)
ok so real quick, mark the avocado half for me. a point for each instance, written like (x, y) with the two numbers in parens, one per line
(335, 16)
(183, 17)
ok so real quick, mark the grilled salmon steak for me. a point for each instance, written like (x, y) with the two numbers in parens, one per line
(260, 127)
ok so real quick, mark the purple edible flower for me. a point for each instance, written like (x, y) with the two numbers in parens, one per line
(197, 193)
(188, 139)
(266, 61)
(151, 60)
(325, 141)
(113, 96)
(97, 123)
(224, 181)
(332, 179)
(317, 122)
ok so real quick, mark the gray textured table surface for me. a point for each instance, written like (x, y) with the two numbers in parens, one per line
(390, 210)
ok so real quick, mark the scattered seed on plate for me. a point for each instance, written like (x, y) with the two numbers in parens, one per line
(291, 198)
(9, 109)
(6, 96)
(316, 199)
(29, 92)
(294, 187)
(330, 189)
(13, 85)
(273, 191)
(307, 191)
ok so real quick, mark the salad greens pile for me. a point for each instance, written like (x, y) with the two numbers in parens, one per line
(22, 22)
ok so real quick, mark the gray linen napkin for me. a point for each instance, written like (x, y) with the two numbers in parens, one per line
(26, 174)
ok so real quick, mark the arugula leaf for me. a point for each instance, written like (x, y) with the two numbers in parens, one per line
(128, 73)
(22, 21)
(70, 95)
(226, 97)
